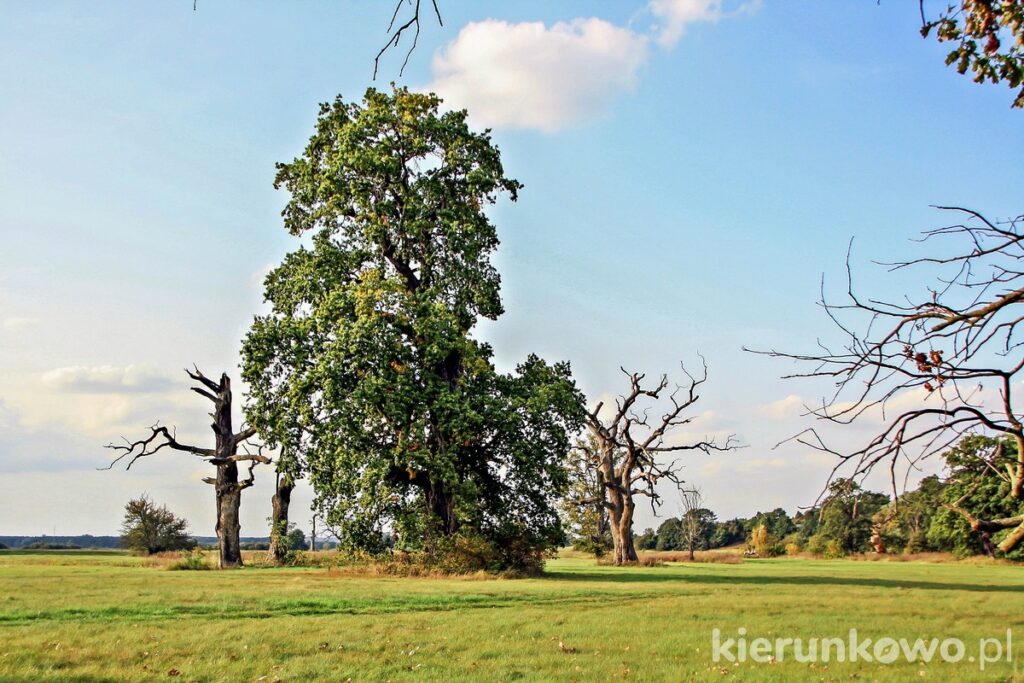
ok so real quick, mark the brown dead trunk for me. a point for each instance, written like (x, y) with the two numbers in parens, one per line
(229, 493)
(224, 456)
(1013, 539)
(620, 514)
(877, 542)
(229, 499)
(278, 553)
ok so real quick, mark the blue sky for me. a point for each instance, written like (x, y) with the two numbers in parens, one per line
(691, 171)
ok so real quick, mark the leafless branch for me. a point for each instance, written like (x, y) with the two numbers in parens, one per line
(396, 30)
(923, 367)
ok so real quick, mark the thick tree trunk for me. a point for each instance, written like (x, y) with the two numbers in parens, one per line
(621, 517)
(442, 506)
(279, 519)
(229, 500)
(691, 551)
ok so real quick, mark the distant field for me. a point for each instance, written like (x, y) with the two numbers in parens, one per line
(94, 616)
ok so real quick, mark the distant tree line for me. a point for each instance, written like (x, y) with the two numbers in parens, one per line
(851, 520)
(66, 542)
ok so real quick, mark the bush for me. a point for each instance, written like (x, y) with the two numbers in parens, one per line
(194, 561)
(150, 528)
(917, 542)
(793, 549)
(764, 544)
(834, 550)
(815, 545)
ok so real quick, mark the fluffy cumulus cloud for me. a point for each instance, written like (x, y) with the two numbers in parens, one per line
(107, 379)
(531, 75)
(103, 401)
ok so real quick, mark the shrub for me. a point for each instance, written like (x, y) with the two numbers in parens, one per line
(150, 528)
(834, 550)
(194, 561)
(793, 549)
(764, 544)
(917, 542)
(815, 545)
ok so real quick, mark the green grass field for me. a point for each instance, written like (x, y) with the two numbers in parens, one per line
(94, 617)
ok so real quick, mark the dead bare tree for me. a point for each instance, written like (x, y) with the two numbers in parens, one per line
(629, 447)
(925, 365)
(691, 504)
(230, 449)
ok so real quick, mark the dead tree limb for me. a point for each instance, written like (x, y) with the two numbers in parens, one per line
(399, 27)
(932, 368)
(230, 449)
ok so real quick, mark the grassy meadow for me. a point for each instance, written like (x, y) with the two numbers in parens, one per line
(81, 616)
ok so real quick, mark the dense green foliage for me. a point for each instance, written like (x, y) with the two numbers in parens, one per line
(366, 368)
(973, 483)
(150, 528)
(583, 507)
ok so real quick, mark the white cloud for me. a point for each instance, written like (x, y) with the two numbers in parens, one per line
(530, 75)
(675, 15)
(15, 324)
(26, 448)
(784, 408)
(107, 379)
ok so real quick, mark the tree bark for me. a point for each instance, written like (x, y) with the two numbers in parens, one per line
(442, 506)
(278, 553)
(229, 492)
(620, 513)
(229, 500)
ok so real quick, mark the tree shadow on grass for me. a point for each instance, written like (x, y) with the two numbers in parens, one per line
(655, 575)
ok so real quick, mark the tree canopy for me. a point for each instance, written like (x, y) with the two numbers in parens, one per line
(366, 367)
(150, 528)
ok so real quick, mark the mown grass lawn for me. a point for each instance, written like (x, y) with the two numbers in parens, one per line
(94, 617)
